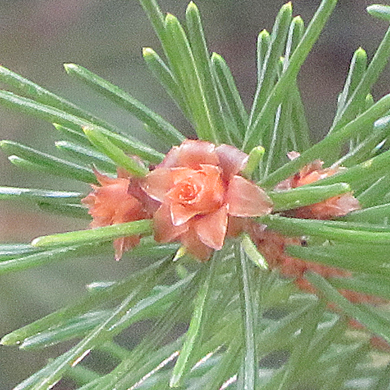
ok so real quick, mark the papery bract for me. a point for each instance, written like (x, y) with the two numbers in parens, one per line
(200, 189)
(116, 201)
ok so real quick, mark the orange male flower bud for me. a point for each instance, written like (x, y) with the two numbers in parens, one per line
(199, 189)
(336, 206)
(272, 244)
(117, 200)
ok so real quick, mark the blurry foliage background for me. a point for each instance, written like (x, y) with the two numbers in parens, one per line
(38, 36)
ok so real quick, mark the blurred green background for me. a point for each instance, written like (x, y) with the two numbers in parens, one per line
(38, 36)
